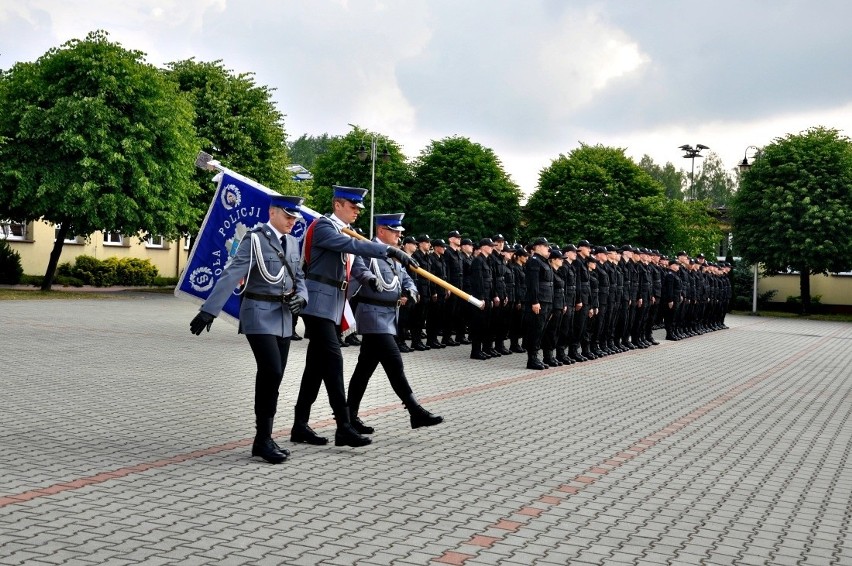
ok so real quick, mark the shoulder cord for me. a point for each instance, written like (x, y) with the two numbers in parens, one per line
(261, 266)
(383, 285)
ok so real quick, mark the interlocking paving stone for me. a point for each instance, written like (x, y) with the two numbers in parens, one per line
(725, 448)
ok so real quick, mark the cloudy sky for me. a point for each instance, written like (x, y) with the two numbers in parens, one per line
(528, 78)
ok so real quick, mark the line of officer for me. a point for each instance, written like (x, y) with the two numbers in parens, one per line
(274, 290)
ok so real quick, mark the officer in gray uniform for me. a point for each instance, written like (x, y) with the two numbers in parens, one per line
(381, 285)
(326, 264)
(268, 261)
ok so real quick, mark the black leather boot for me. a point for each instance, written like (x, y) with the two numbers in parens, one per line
(346, 435)
(550, 359)
(301, 432)
(358, 424)
(264, 446)
(533, 362)
(419, 416)
(500, 346)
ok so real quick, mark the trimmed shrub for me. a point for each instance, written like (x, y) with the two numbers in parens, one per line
(11, 270)
(111, 271)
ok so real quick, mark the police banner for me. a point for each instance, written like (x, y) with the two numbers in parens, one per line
(238, 205)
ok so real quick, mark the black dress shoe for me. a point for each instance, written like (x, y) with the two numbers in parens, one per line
(449, 342)
(421, 417)
(269, 451)
(464, 341)
(492, 352)
(535, 364)
(403, 347)
(672, 338)
(653, 342)
(420, 346)
(503, 351)
(360, 427)
(517, 349)
(301, 432)
(353, 340)
(347, 436)
(479, 356)
(295, 337)
(343, 343)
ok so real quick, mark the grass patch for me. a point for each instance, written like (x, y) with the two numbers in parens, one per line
(39, 295)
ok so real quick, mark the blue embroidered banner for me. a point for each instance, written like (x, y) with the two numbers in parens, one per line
(238, 205)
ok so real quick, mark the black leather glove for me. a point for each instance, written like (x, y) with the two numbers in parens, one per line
(402, 257)
(374, 284)
(201, 320)
(296, 303)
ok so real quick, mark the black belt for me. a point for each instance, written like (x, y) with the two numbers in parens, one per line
(377, 302)
(268, 298)
(342, 285)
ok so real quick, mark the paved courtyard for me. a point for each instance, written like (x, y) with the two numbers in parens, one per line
(126, 440)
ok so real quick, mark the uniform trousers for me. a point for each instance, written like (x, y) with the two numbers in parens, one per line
(479, 327)
(270, 354)
(435, 318)
(535, 327)
(566, 328)
(549, 339)
(323, 364)
(581, 318)
(669, 315)
(377, 349)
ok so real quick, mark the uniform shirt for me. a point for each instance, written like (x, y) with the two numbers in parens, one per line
(481, 280)
(569, 276)
(671, 287)
(582, 278)
(370, 317)
(455, 267)
(497, 265)
(539, 279)
(328, 257)
(424, 286)
(519, 280)
(261, 317)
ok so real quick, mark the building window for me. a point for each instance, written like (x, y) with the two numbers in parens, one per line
(155, 242)
(187, 242)
(13, 230)
(113, 239)
(69, 239)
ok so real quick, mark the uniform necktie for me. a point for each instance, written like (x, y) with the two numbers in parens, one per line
(284, 243)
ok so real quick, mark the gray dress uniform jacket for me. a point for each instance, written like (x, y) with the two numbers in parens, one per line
(377, 311)
(257, 316)
(325, 273)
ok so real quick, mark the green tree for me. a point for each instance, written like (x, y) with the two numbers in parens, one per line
(673, 225)
(97, 139)
(671, 179)
(593, 193)
(306, 149)
(340, 164)
(714, 183)
(793, 209)
(461, 185)
(237, 123)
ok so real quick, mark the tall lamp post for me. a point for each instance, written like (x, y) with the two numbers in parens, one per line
(690, 152)
(744, 166)
(362, 155)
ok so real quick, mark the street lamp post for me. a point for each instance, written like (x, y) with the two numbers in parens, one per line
(690, 152)
(744, 166)
(362, 155)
